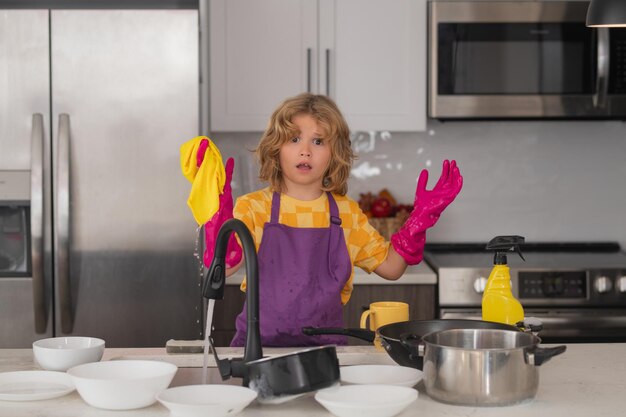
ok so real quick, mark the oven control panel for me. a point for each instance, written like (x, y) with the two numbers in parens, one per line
(553, 284)
(537, 287)
(560, 275)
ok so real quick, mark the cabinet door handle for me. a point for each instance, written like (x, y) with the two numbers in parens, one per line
(328, 72)
(36, 223)
(308, 69)
(63, 223)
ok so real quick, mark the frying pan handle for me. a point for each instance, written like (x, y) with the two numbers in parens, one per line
(362, 334)
(413, 344)
(537, 356)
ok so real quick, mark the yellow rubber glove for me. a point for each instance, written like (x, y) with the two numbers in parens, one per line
(207, 179)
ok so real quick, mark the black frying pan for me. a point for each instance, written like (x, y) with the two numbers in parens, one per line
(295, 373)
(291, 374)
(392, 335)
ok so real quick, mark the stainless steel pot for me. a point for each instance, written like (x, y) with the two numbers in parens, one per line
(483, 367)
(394, 336)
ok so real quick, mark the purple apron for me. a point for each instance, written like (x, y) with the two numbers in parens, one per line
(301, 274)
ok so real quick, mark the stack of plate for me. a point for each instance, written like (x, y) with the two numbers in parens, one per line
(366, 400)
(381, 375)
(206, 400)
(371, 391)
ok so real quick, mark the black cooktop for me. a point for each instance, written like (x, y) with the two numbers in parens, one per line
(570, 255)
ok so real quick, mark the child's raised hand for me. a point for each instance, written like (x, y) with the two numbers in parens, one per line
(212, 227)
(428, 205)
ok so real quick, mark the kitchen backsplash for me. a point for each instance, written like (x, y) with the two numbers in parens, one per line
(547, 181)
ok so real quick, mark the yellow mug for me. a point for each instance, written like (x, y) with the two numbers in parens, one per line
(384, 312)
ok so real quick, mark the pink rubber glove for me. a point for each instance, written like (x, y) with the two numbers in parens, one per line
(410, 239)
(225, 212)
(204, 144)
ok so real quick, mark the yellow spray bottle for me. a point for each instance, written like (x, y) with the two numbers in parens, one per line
(499, 304)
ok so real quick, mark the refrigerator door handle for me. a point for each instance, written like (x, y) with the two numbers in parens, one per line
(36, 223)
(63, 223)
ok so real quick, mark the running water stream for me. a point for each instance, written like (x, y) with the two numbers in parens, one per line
(210, 306)
(207, 334)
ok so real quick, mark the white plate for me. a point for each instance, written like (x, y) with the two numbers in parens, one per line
(366, 400)
(34, 385)
(278, 400)
(381, 374)
(206, 400)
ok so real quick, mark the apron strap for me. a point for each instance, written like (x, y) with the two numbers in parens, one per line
(275, 207)
(335, 220)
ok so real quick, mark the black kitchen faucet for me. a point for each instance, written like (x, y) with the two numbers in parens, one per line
(214, 289)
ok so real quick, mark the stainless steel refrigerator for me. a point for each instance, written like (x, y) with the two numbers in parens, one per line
(95, 235)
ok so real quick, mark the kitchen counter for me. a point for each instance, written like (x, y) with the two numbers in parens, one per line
(587, 380)
(419, 274)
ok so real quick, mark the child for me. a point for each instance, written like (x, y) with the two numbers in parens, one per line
(308, 234)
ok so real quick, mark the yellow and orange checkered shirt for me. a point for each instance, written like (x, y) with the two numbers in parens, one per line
(366, 247)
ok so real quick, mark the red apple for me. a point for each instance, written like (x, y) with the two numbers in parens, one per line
(381, 207)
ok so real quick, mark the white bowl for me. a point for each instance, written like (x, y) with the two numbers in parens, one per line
(123, 384)
(63, 353)
(380, 374)
(366, 400)
(206, 400)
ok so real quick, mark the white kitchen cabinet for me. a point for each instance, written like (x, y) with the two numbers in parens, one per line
(261, 51)
(368, 55)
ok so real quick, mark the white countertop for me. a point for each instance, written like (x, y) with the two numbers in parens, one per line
(587, 380)
(414, 274)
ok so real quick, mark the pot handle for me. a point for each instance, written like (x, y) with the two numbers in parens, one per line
(530, 325)
(413, 344)
(223, 365)
(362, 334)
(537, 356)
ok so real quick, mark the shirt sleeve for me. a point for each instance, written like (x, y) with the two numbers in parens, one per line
(372, 246)
(243, 211)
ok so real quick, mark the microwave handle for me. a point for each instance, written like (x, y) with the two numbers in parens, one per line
(602, 78)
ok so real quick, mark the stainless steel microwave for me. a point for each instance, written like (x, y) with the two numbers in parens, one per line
(523, 59)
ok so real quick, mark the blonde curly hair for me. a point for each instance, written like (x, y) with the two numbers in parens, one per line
(280, 129)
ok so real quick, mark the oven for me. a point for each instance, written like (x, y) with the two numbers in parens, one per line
(578, 290)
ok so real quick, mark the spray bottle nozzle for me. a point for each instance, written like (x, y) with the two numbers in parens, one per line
(503, 244)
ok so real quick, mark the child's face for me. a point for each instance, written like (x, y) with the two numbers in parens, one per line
(304, 158)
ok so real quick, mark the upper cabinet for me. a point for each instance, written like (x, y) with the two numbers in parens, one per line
(373, 62)
(368, 55)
